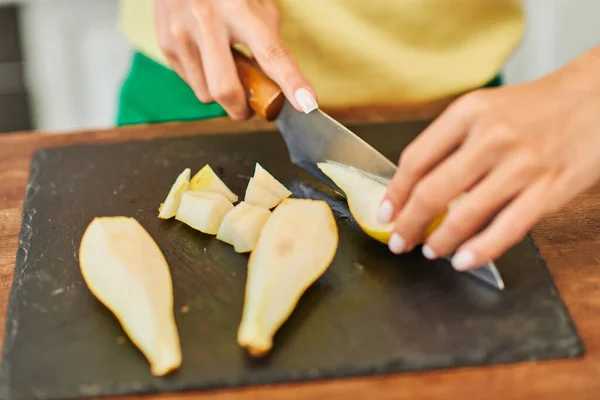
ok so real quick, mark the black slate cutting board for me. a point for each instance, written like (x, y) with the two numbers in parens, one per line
(370, 313)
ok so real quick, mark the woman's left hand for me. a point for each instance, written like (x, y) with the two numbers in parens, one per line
(517, 153)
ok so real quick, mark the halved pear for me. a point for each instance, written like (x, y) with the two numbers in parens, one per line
(168, 209)
(264, 190)
(295, 247)
(242, 225)
(364, 196)
(203, 211)
(124, 268)
(206, 180)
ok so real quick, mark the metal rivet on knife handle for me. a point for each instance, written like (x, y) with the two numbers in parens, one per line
(264, 96)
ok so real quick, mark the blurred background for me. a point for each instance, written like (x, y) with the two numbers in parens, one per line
(62, 61)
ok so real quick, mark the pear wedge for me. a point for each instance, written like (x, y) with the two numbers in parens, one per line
(168, 209)
(124, 268)
(203, 211)
(242, 225)
(258, 195)
(295, 247)
(206, 180)
(264, 190)
(364, 196)
(268, 181)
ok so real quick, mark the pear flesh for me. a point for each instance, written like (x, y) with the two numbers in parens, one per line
(364, 195)
(295, 247)
(124, 268)
(206, 180)
(203, 211)
(264, 190)
(265, 179)
(242, 226)
(260, 196)
(168, 209)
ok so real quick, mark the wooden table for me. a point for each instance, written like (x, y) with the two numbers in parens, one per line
(569, 241)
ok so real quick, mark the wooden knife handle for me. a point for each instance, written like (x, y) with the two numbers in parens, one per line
(264, 96)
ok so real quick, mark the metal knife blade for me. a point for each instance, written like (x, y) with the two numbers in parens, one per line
(316, 137)
(488, 273)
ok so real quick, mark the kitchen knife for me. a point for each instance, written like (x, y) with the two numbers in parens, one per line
(316, 137)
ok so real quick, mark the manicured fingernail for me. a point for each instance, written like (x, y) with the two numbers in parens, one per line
(396, 244)
(428, 252)
(385, 212)
(306, 100)
(463, 260)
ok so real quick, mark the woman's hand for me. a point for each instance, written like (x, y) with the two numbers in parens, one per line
(518, 152)
(196, 37)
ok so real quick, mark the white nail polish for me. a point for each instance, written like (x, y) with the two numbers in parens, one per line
(428, 252)
(463, 260)
(306, 100)
(396, 244)
(385, 212)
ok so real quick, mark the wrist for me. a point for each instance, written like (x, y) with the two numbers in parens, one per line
(582, 75)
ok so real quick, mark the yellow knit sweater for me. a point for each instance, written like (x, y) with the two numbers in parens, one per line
(380, 52)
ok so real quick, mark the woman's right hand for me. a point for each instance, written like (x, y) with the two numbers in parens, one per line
(196, 37)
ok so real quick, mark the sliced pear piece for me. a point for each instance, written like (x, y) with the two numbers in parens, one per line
(242, 225)
(124, 268)
(206, 180)
(295, 247)
(364, 196)
(264, 190)
(203, 211)
(258, 195)
(169, 207)
(268, 181)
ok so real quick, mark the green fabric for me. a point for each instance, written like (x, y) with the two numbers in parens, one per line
(497, 81)
(153, 93)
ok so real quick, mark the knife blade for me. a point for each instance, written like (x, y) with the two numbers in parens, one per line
(316, 137)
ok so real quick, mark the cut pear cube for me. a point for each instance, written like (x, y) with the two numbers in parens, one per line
(169, 207)
(295, 247)
(203, 211)
(124, 268)
(258, 195)
(266, 180)
(364, 196)
(264, 190)
(206, 180)
(228, 229)
(242, 225)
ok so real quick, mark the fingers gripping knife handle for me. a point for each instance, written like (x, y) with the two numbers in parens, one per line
(264, 96)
